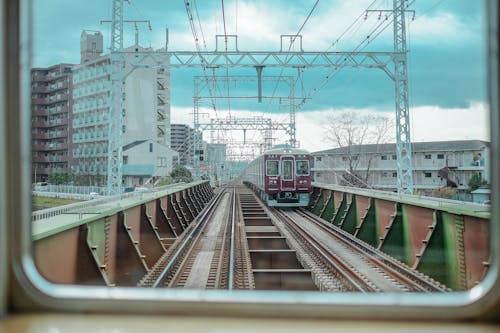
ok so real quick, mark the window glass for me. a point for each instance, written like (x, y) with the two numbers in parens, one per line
(302, 167)
(272, 168)
(76, 140)
(287, 169)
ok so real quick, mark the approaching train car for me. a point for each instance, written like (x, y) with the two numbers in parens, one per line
(282, 177)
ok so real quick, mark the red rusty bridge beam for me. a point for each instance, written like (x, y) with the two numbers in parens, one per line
(445, 239)
(114, 242)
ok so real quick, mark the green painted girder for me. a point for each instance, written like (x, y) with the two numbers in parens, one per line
(368, 229)
(349, 219)
(393, 243)
(339, 214)
(320, 203)
(329, 209)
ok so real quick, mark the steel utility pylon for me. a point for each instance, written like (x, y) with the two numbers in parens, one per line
(403, 141)
(115, 119)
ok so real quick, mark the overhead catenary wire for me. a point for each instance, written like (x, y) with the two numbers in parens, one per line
(351, 30)
(290, 47)
(373, 34)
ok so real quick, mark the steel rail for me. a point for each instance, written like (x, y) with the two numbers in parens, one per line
(338, 265)
(201, 220)
(390, 265)
(221, 264)
(232, 240)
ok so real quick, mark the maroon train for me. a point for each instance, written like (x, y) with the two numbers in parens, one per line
(282, 177)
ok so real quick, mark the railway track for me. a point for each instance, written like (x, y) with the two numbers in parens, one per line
(199, 259)
(362, 266)
(239, 243)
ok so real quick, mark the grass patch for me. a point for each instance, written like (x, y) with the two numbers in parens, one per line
(47, 202)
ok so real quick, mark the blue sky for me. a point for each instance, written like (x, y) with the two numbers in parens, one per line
(446, 43)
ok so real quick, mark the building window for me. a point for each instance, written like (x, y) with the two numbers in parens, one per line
(440, 156)
(151, 147)
(383, 157)
(125, 160)
(344, 158)
(428, 156)
(394, 157)
(428, 174)
(394, 174)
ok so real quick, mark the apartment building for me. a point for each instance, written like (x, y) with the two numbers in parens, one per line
(435, 164)
(182, 140)
(145, 106)
(51, 104)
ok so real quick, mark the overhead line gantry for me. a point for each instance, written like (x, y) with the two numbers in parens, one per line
(168, 60)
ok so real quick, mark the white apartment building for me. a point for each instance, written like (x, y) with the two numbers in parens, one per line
(431, 161)
(145, 106)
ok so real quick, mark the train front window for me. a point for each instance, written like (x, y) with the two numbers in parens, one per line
(272, 168)
(287, 169)
(302, 168)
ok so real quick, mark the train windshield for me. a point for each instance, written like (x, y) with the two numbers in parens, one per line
(287, 169)
(272, 168)
(302, 168)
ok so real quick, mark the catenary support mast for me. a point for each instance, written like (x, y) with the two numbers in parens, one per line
(403, 142)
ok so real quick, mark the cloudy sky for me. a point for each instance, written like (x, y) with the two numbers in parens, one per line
(446, 42)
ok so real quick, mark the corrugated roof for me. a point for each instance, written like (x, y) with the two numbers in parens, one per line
(417, 147)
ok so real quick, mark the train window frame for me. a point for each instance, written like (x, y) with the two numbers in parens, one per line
(31, 292)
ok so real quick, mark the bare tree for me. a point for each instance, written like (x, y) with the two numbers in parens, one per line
(350, 130)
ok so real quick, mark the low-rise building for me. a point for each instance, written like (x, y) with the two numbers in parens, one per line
(144, 161)
(435, 164)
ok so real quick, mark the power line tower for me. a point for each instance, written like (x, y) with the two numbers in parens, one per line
(400, 78)
(120, 69)
(115, 120)
(403, 141)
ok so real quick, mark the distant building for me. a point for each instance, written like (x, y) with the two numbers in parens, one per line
(182, 141)
(435, 164)
(145, 105)
(145, 161)
(51, 103)
(215, 160)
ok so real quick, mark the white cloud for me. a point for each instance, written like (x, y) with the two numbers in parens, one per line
(431, 123)
(428, 123)
(444, 28)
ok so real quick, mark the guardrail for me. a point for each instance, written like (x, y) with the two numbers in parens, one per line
(51, 212)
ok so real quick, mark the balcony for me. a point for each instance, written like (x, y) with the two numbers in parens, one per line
(37, 111)
(59, 134)
(40, 159)
(40, 89)
(58, 122)
(45, 147)
(39, 123)
(40, 101)
(59, 109)
(44, 136)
